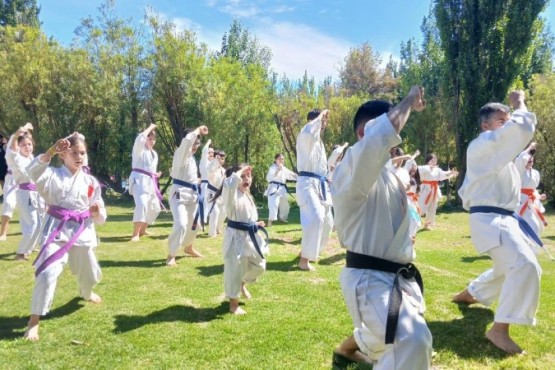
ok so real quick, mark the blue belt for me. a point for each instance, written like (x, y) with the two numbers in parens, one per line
(526, 229)
(200, 201)
(278, 185)
(323, 180)
(252, 228)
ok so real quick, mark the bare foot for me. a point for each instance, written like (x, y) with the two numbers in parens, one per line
(136, 238)
(21, 257)
(3, 238)
(305, 265)
(245, 292)
(170, 261)
(234, 307)
(32, 332)
(464, 297)
(95, 298)
(189, 250)
(284, 221)
(503, 341)
(146, 232)
(357, 356)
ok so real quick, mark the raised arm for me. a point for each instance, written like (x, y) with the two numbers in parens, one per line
(401, 112)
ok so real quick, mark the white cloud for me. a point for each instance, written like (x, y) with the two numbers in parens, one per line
(297, 48)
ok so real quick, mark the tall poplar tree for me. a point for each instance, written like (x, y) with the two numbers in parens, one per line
(485, 45)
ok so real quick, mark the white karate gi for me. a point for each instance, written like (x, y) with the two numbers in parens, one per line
(142, 187)
(183, 200)
(427, 201)
(278, 203)
(372, 219)
(530, 179)
(75, 192)
(492, 179)
(30, 204)
(203, 169)
(242, 263)
(216, 176)
(10, 196)
(316, 216)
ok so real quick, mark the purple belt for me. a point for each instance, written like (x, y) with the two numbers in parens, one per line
(154, 179)
(64, 215)
(28, 186)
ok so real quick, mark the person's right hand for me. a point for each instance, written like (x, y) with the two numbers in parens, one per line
(418, 101)
(516, 96)
(203, 130)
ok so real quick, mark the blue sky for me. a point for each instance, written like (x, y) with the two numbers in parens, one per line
(311, 35)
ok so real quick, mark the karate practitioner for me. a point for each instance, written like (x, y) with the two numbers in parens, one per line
(491, 192)
(430, 193)
(8, 205)
(530, 206)
(243, 247)
(143, 183)
(184, 196)
(206, 156)
(74, 206)
(373, 225)
(216, 207)
(30, 204)
(335, 157)
(396, 166)
(313, 194)
(278, 203)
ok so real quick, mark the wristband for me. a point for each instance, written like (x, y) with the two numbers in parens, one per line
(52, 151)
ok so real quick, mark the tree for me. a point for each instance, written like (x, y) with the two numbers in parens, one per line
(484, 44)
(361, 73)
(238, 44)
(541, 102)
(19, 12)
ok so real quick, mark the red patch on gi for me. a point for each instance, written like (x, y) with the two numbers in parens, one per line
(90, 191)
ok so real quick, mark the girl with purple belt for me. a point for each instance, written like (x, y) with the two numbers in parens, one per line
(74, 206)
(143, 183)
(31, 206)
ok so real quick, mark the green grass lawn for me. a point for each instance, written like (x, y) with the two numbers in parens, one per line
(158, 317)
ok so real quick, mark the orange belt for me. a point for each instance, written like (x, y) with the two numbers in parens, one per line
(433, 193)
(412, 195)
(531, 194)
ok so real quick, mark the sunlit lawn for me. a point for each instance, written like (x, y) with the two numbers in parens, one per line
(156, 317)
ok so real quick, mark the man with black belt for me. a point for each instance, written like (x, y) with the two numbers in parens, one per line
(313, 194)
(382, 289)
(491, 192)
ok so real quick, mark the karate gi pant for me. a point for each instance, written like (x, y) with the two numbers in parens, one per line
(83, 264)
(184, 209)
(241, 268)
(429, 210)
(217, 215)
(10, 201)
(206, 203)
(147, 206)
(366, 294)
(316, 222)
(278, 204)
(30, 216)
(514, 280)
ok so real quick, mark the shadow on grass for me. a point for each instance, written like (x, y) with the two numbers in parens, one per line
(466, 337)
(211, 270)
(332, 259)
(14, 327)
(7, 256)
(141, 263)
(125, 323)
(471, 259)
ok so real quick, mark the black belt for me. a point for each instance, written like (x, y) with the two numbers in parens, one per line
(252, 228)
(408, 271)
